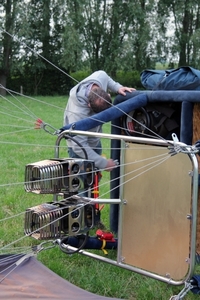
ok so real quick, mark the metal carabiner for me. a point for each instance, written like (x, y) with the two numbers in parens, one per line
(44, 125)
(40, 247)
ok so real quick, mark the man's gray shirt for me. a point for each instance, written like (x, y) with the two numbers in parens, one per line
(77, 109)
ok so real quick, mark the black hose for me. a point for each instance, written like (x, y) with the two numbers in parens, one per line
(65, 240)
(75, 141)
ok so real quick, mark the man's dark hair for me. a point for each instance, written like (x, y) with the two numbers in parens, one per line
(99, 100)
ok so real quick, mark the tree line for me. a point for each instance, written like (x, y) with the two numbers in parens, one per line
(44, 41)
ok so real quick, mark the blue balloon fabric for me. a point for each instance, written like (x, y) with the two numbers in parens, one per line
(183, 78)
(109, 114)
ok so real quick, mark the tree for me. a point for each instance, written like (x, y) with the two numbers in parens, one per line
(9, 12)
(185, 17)
(42, 38)
(39, 52)
(72, 46)
(141, 34)
(37, 35)
(105, 33)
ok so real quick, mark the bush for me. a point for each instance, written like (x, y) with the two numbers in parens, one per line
(53, 82)
(45, 82)
(129, 78)
(80, 75)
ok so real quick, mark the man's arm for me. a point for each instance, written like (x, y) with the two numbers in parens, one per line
(117, 87)
(100, 162)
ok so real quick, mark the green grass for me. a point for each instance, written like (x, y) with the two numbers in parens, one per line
(19, 148)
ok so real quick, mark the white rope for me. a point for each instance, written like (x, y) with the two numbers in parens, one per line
(150, 166)
(29, 144)
(15, 126)
(34, 99)
(35, 52)
(68, 176)
(11, 217)
(157, 163)
(27, 112)
(13, 266)
(16, 131)
(154, 135)
(38, 54)
(13, 116)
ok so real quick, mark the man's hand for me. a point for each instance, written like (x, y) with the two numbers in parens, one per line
(124, 89)
(111, 164)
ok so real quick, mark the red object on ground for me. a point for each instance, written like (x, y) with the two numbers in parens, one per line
(105, 235)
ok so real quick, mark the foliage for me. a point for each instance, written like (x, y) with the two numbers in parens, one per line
(80, 75)
(184, 17)
(38, 39)
(129, 78)
(126, 78)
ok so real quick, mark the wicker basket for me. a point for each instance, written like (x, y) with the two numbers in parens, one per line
(196, 136)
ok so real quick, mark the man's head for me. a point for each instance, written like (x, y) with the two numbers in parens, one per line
(99, 100)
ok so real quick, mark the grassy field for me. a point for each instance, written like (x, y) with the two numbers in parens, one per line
(21, 144)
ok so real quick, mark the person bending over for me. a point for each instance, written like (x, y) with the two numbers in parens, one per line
(87, 98)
